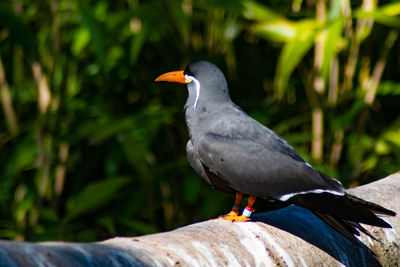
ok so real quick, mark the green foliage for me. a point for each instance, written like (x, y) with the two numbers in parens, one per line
(92, 148)
(93, 197)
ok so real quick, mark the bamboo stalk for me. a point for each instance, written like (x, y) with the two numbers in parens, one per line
(317, 133)
(337, 147)
(44, 94)
(61, 169)
(333, 83)
(317, 143)
(9, 112)
(318, 83)
(363, 25)
(379, 67)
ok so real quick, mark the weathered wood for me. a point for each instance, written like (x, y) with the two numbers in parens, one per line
(291, 236)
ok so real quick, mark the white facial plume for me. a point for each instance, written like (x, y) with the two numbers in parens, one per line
(197, 83)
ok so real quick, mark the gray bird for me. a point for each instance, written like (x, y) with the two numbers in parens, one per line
(238, 155)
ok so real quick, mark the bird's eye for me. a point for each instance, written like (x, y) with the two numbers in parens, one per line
(188, 79)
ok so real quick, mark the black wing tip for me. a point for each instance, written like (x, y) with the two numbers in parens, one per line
(373, 207)
(387, 212)
(345, 213)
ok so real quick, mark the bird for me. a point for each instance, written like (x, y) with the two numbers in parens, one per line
(238, 155)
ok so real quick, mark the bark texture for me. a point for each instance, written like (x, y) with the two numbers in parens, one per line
(291, 236)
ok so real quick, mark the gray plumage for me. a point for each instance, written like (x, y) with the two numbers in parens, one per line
(245, 154)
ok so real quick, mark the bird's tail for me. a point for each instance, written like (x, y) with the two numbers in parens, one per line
(345, 213)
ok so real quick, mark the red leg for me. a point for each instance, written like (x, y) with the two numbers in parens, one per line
(235, 209)
(246, 212)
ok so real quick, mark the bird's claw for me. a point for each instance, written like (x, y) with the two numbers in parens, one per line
(233, 216)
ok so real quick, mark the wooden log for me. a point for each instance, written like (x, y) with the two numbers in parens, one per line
(290, 236)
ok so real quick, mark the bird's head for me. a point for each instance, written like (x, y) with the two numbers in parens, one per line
(205, 82)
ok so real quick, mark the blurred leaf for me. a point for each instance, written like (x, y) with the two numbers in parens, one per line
(392, 9)
(342, 121)
(94, 29)
(393, 137)
(18, 30)
(382, 148)
(100, 10)
(24, 203)
(137, 42)
(256, 11)
(369, 164)
(269, 24)
(292, 122)
(299, 138)
(296, 5)
(81, 39)
(114, 54)
(388, 88)
(139, 227)
(93, 197)
(293, 52)
(179, 18)
(389, 140)
(233, 6)
(387, 15)
(108, 223)
(335, 10)
(135, 152)
(103, 130)
(23, 156)
(334, 32)
(275, 30)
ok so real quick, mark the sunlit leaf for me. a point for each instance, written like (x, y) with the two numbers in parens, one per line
(292, 53)
(278, 30)
(369, 163)
(256, 11)
(382, 148)
(393, 137)
(333, 37)
(24, 204)
(388, 88)
(392, 9)
(81, 39)
(387, 15)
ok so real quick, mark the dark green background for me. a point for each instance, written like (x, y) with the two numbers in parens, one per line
(126, 171)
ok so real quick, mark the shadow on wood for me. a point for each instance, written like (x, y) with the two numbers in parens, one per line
(304, 224)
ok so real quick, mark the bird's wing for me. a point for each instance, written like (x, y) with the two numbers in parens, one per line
(264, 167)
(195, 162)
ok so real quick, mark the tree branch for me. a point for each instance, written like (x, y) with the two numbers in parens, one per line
(291, 236)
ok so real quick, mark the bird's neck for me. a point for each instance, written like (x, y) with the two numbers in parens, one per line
(202, 119)
(194, 118)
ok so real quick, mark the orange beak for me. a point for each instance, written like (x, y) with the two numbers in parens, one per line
(173, 76)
